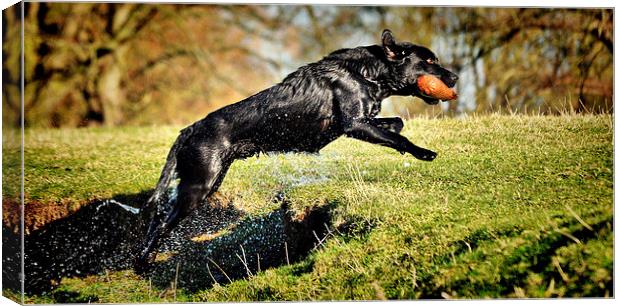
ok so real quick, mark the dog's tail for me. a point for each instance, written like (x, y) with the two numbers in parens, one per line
(168, 173)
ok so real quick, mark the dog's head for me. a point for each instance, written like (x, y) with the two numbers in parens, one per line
(408, 61)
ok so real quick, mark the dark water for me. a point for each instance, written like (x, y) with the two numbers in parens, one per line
(101, 237)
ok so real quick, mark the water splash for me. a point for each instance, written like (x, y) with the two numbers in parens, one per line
(128, 208)
(297, 170)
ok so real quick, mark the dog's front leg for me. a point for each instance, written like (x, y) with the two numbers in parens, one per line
(393, 124)
(355, 100)
(362, 129)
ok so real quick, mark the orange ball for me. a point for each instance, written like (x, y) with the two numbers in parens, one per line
(434, 87)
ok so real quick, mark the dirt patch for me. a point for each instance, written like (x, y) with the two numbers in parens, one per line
(96, 237)
(102, 235)
(245, 248)
(36, 214)
(39, 213)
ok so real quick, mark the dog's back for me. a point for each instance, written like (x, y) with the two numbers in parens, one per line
(298, 114)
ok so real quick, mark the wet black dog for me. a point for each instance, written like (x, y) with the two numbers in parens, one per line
(338, 95)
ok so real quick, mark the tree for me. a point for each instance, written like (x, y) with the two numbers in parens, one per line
(538, 58)
(115, 64)
(73, 57)
(95, 63)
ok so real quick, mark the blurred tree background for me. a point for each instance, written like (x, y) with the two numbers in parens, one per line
(139, 64)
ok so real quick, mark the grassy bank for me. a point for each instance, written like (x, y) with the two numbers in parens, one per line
(512, 207)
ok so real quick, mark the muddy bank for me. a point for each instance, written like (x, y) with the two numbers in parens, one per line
(39, 213)
(101, 236)
(245, 248)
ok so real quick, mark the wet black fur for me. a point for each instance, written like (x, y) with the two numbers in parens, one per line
(338, 95)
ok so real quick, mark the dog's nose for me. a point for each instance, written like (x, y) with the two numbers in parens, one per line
(450, 79)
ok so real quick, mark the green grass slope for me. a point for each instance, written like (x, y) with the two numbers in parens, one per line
(514, 206)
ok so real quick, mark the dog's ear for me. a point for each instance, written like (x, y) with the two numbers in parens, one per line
(390, 47)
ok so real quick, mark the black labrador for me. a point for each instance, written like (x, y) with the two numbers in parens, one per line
(338, 95)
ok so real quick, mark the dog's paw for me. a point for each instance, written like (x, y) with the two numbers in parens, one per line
(425, 155)
(141, 266)
(142, 262)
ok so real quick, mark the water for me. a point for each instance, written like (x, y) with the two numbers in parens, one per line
(296, 170)
(128, 208)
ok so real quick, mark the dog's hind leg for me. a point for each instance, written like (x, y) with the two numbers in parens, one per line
(192, 193)
(200, 177)
(196, 185)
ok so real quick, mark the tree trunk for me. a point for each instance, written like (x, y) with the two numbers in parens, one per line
(109, 88)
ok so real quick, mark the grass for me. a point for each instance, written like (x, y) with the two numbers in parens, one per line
(514, 206)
